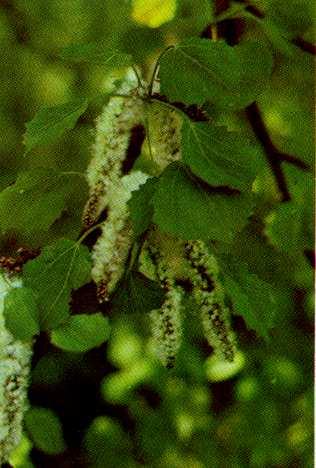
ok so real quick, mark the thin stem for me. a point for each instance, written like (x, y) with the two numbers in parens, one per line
(153, 77)
(88, 232)
(140, 84)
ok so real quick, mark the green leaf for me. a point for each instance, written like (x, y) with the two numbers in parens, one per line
(21, 313)
(289, 226)
(61, 267)
(97, 54)
(140, 207)
(50, 123)
(138, 294)
(217, 156)
(254, 299)
(200, 70)
(81, 333)
(45, 430)
(183, 208)
(33, 203)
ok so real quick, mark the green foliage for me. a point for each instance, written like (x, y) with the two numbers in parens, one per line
(140, 206)
(255, 300)
(138, 294)
(49, 124)
(81, 333)
(21, 313)
(217, 156)
(33, 203)
(119, 406)
(45, 430)
(183, 208)
(61, 267)
(98, 54)
(188, 69)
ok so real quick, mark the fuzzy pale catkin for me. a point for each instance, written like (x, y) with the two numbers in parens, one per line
(15, 361)
(164, 135)
(112, 247)
(166, 321)
(113, 132)
(209, 295)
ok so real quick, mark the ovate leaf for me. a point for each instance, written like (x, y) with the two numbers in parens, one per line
(217, 156)
(254, 299)
(97, 54)
(33, 203)
(21, 313)
(81, 332)
(140, 206)
(290, 226)
(45, 430)
(138, 294)
(61, 267)
(187, 210)
(200, 70)
(50, 123)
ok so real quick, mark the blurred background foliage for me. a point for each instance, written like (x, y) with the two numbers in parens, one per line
(116, 406)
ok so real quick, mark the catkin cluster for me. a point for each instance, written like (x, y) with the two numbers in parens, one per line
(15, 361)
(111, 189)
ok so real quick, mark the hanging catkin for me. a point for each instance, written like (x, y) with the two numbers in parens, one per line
(209, 295)
(113, 132)
(111, 249)
(164, 128)
(166, 321)
(15, 361)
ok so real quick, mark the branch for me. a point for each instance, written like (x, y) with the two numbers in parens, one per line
(274, 157)
(260, 130)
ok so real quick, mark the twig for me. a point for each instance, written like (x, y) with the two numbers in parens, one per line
(255, 119)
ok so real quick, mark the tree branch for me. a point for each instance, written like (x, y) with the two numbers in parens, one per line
(255, 119)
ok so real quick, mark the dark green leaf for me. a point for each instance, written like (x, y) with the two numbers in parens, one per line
(140, 207)
(81, 332)
(61, 267)
(217, 156)
(45, 430)
(199, 70)
(184, 209)
(138, 294)
(96, 53)
(254, 299)
(50, 123)
(21, 313)
(289, 226)
(33, 203)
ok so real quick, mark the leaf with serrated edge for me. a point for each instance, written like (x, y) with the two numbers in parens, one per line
(81, 333)
(96, 53)
(184, 209)
(199, 70)
(61, 267)
(50, 123)
(217, 156)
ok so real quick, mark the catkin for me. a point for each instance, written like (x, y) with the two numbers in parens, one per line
(113, 132)
(209, 295)
(166, 321)
(15, 361)
(164, 128)
(112, 247)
